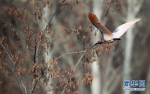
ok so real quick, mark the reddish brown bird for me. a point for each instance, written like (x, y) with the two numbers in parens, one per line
(107, 35)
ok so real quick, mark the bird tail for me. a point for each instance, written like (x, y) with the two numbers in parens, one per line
(92, 18)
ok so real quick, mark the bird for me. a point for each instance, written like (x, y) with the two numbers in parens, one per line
(107, 36)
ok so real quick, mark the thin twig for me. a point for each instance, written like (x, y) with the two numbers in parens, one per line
(53, 15)
(107, 12)
(70, 53)
(6, 50)
(80, 59)
(34, 84)
(83, 55)
(23, 84)
(57, 37)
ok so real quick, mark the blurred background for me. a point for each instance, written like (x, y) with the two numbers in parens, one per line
(25, 21)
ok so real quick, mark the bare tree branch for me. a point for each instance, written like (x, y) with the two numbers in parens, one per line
(53, 15)
(20, 80)
(70, 53)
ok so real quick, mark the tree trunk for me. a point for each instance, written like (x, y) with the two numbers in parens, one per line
(95, 68)
(133, 9)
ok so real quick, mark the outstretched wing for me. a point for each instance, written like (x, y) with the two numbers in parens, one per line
(97, 24)
(120, 30)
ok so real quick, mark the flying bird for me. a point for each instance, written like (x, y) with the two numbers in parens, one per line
(107, 36)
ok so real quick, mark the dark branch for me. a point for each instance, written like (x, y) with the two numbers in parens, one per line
(53, 15)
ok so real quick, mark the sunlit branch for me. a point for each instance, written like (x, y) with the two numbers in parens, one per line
(8, 53)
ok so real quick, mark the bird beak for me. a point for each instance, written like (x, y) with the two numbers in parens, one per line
(99, 42)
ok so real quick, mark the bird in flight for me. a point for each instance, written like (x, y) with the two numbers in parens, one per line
(106, 34)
